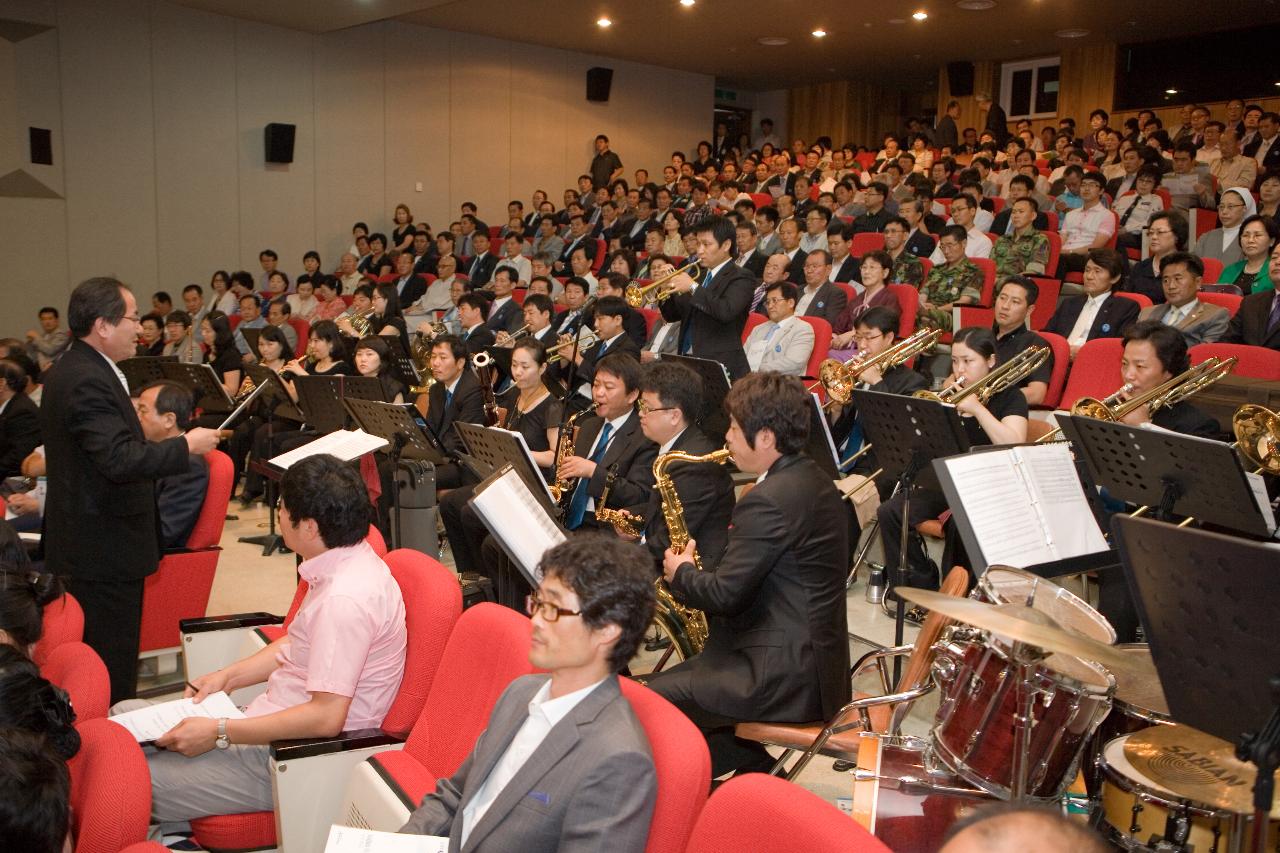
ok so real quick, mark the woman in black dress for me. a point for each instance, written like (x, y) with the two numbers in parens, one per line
(215, 331)
(402, 234)
(372, 358)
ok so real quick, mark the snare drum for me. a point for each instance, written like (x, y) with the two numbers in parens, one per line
(1139, 812)
(1007, 585)
(973, 731)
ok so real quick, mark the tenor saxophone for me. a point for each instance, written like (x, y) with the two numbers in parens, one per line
(686, 625)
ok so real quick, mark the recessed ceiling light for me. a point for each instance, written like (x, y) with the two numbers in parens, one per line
(819, 33)
(773, 41)
(921, 15)
(1175, 91)
(687, 2)
(604, 22)
(1278, 84)
(976, 5)
(1071, 33)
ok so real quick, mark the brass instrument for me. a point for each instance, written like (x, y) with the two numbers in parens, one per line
(247, 387)
(586, 338)
(638, 295)
(564, 449)
(1169, 393)
(359, 321)
(686, 626)
(1257, 431)
(1109, 402)
(421, 356)
(517, 334)
(626, 524)
(839, 377)
(1004, 377)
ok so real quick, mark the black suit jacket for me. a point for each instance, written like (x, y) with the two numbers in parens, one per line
(627, 467)
(921, 244)
(480, 269)
(587, 242)
(827, 303)
(624, 343)
(946, 133)
(755, 263)
(795, 272)
(566, 323)
(717, 312)
(635, 241)
(706, 496)
(850, 270)
(101, 473)
(467, 406)
(636, 327)
(480, 339)
(19, 434)
(413, 289)
(508, 318)
(998, 124)
(1185, 418)
(1112, 318)
(778, 647)
(1249, 325)
(901, 380)
(180, 498)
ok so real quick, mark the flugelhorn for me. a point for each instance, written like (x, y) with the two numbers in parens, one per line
(656, 291)
(586, 338)
(1004, 377)
(839, 377)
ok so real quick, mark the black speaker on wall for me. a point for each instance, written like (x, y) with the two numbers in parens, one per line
(41, 146)
(279, 142)
(599, 80)
(960, 78)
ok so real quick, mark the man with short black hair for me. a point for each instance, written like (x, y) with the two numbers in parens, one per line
(504, 312)
(1200, 322)
(749, 257)
(19, 419)
(473, 310)
(785, 343)
(1088, 227)
(821, 298)
(844, 266)
(1024, 251)
(49, 342)
(164, 410)
(606, 166)
(976, 243)
(907, 268)
(876, 216)
(1015, 300)
(455, 396)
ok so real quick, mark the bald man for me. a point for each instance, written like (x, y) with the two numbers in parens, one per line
(1017, 829)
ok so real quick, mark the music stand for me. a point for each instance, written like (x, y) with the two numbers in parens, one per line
(405, 437)
(713, 420)
(203, 382)
(909, 432)
(821, 447)
(517, 520)
(251, 337)
(276, 398)
(495, 448)
(1207, 603)
(1166, 470)
(405, 368)
(321, 398)
(143, 370)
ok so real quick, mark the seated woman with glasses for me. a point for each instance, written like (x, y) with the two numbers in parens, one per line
(1223, 243)
(877, 269)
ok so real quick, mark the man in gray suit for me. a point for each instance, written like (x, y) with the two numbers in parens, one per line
(785, 343)
(1199, 322)
(564, 764)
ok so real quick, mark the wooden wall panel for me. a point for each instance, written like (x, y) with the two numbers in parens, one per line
(846, 110)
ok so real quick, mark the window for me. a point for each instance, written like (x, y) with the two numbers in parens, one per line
(1029, 89)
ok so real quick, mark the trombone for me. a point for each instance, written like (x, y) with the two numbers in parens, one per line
(838, 378)
(586, 338)
(638, 295)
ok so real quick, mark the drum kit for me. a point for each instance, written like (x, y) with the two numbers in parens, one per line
(1037, 705)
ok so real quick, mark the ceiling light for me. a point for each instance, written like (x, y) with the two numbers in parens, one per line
(687, 2)
(819, 33)
(976, 5)
(1175, 91)
(1071, 34)
(603, 23)
(920, 16)
(773, 41)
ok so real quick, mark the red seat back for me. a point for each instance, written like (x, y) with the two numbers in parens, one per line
(988, 268)
(207, 531)
(432, 603)
(1142, 299)
(77, 669)
(754, 318)
(1061, 365)
(680, 761)
(488, 649)
(1226, 300)
(303, 328)
(375, 540)
(908, 304)
(1212, 269)
(866, 241)
(761, 199)
(651, 317)
(975, 315)
(1052, 216)
(765, 814)
(1046, 302)
(1095, 372)
(110, 789)
(62, 622)
(1253, 362)
(1055, 252)
(821, 344)
(233, 320)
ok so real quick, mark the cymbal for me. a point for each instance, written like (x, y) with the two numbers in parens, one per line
(1019, 623)
(1195, 766)
(1138, 684)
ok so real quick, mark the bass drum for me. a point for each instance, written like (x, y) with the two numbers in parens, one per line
(1007, 585)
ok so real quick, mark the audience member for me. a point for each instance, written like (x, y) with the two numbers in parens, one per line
(1095, 313)
(1199, 322)
(956, 281)
(785, 343)
(1257, 238)
(19, 420)
(47, 343)
(1223, 243)
(1166, 234)
(1089, 227)
(1015, 301)
(164, 410)
(35, 794)
(1024, 251)
(1257, 321)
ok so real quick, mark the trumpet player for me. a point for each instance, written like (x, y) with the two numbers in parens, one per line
(608, 319)
(536, 310)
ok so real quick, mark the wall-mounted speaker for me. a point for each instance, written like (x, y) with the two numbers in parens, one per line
(960, 78)
(599, 80)
(41, 146)
(279, 142)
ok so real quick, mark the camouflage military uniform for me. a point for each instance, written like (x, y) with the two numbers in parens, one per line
(1020, 254)
(907, 269)
(947, 284)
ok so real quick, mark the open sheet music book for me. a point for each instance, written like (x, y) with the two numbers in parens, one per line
(147, 724)
(349, 839)
(1024, 504)
(517, 520)
(346, 444)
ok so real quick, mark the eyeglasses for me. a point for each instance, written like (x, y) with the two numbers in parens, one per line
(775, 300)
(866, 339)
(645, 410)
(1226, 206)
(535, 606)
(1155, 233)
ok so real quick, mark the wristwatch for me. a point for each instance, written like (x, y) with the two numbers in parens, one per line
(222, 741)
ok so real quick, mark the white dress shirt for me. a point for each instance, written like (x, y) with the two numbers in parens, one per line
(1175, 315)
(1080, 331)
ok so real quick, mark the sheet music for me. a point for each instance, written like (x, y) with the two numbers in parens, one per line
(997, 504)
(1258, 487)
(346, 444)
(349, 839)
(518, 521)
(1073, 531)
(147, 724)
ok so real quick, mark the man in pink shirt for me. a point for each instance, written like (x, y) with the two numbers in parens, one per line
(338, 667)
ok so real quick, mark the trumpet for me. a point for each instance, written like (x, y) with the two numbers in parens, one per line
(586, 338)
(637, 295)
(516, 335)
(1004, 377)
(839, 377)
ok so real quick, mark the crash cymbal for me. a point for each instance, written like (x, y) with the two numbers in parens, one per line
(1195, 766)
(1138, 683)
(1019, 623)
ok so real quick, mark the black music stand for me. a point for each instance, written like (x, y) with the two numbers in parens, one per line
(821, 447)
(276, 398)
(713, 420)
(203, 382)
(406, 370)
(495, 448)
(321, 398)
(404, 437)
(251, 337)
(144, 369)
(909, 433)
(1208, 603)
(1168, 471)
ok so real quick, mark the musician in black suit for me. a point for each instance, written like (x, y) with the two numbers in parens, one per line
(19, 420)
(473, 310)
(100, 529)
(505, 314)
(713, 313)
(610, 452)
(608, 315)
(615, 284)
(778, 647)
(481, 266)
(1103, 277)
(670, 401)
(455, 396)
(1257, 321)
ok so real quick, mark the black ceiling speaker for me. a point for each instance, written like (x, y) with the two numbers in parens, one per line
(599, 80)
(960, 77)
(279, 139)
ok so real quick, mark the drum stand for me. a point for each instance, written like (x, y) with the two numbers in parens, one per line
(1028, 659)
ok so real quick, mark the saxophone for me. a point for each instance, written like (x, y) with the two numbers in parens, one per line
(563, 485)
(687, 626)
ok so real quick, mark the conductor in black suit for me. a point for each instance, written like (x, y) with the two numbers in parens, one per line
(100, 528)
(1257, 321)
(778, 647)
(1098, 312)
(670, 401)
(713, 313)
(455, 396)
(19, 420)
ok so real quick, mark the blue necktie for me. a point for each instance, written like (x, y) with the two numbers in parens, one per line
(448, 398)
(578, 504)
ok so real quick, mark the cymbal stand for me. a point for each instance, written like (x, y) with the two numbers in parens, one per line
(1263, 749)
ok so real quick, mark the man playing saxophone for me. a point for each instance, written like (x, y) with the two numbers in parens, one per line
(778, 647)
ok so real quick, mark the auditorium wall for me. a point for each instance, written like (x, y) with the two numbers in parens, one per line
(158, 112)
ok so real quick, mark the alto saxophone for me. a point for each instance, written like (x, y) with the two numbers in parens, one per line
(563, 485)
(686, 625)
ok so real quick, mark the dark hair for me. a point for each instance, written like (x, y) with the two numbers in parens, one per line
(268, 253)
(613, 581)
(190, 287)
(540, 301)
(1027, 284)
(616, 280)
(1192, 262)
(534, 346)
(32, 703)
(94, 299)
(578, 282)
(365, 290)
(153, 318)
(162, 296)
(955, 232)
(456, 347)
(174, 399)
(24, 592)
(388, 292)
(622, 365)
(477, 301)
(223, 338)
(327, 331)
(48, 309)
(774, 402)
(276, 334)
(882, 318)
(1096, 178)
(883, 258)
(977, 338)
(721, 229)
(331, 493)
(1035, 205)
(380, 237)
(185, 319)
(1111, 261)
(898, 220)
(1268, 224)
(611, 306)
(35, 793)
(242, 278)
(675, 385)
(378, 344)
(282, 303)
(1169, 344)
(789, 290)
(313, 254)
(1177, 224)
(13, 375)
